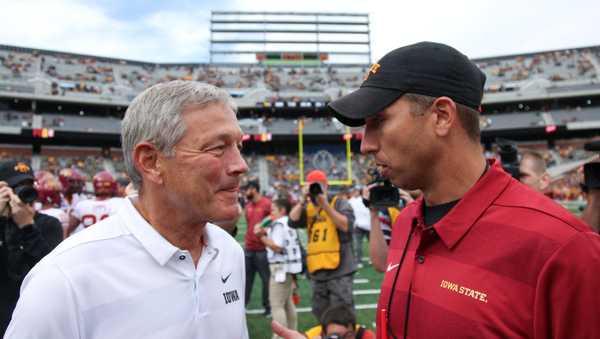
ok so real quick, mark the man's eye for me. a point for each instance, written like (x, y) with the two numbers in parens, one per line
(217, 149)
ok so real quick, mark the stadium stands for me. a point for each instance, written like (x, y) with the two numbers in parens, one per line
(57, 74)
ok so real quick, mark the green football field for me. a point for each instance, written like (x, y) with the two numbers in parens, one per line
(366, 292)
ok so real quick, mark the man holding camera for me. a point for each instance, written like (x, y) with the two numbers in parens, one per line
(330, 258)
(25, 236)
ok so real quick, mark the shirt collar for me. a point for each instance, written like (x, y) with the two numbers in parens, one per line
(454, 225)
(154, 243)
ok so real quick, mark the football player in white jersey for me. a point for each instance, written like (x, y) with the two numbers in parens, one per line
(72, 182)
(49, 191)
(88, 212)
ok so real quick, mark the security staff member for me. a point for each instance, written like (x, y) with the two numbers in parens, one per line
(330, 258)
(480, 255)
(25, 236)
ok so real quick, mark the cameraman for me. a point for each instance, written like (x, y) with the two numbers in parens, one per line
(382, 219)
(339, 322)
(330, 258)
(25, 236)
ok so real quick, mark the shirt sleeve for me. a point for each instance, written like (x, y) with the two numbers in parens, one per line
(344, 207)
(46, 307)
(567, 302)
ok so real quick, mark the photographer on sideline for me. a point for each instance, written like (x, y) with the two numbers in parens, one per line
(25, 235)
(330, 258)
(382, 220)
(339, 322)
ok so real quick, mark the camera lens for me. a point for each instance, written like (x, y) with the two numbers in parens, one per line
(26, 193)
(315, 189)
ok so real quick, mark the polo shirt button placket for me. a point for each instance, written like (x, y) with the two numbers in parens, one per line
(420, 259)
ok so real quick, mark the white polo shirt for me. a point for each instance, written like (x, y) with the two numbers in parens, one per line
(122, 279)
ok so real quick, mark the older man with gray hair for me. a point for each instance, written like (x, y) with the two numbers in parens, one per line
(159, 268)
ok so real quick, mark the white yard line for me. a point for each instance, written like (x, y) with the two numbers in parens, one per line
(308, 309)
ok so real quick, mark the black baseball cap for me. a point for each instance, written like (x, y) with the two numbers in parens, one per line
(252, 184)
(15, 172)
(425, 68)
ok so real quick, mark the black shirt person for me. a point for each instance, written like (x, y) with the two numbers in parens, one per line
(25, 236)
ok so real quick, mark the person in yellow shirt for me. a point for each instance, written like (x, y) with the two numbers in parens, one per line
(330, 257)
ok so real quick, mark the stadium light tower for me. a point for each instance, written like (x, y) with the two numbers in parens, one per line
(290, 38)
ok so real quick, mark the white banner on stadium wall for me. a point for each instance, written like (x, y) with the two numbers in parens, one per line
(10, 130)
(583, 125)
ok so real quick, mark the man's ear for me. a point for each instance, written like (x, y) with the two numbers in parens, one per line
(445, 113)
(148, 161)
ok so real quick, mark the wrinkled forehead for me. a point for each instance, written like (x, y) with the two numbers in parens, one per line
(212, 122)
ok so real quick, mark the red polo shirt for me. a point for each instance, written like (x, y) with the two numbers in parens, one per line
(255, 213)
(505, 262)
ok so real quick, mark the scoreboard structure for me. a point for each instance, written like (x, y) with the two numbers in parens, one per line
(290, 38)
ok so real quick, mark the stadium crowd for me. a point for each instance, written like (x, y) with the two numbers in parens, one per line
(67, 74)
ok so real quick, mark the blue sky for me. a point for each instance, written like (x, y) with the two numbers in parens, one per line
(177, 31)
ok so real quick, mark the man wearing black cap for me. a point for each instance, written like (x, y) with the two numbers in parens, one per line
(25, 236)
(480, 255)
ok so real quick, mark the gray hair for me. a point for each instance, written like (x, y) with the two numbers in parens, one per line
(155, 116)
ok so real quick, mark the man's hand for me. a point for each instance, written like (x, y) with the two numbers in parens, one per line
(22, 213)
(285, 332)
(406, 196)
(305, 196)
(259, 231)
(321, 200)
(5, 194)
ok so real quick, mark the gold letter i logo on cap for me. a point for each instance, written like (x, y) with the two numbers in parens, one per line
(373, 69)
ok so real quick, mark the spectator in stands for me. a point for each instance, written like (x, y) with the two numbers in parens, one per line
(472, 214)
(591, 214)
(256, 209)
(159, 267)
(330, 259)
(285, 260)
(533, 171)
(25, 236)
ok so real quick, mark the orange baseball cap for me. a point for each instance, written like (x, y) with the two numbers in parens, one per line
(316, 176)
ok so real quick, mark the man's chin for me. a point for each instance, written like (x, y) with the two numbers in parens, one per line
(226, 214)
